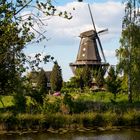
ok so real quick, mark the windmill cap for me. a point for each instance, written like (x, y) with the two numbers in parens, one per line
(88, 33)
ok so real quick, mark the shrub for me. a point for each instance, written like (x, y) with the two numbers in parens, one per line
(79, 106)
(19, 103)
(8, 120)
(51, 107)
(68, 100)
(98, 120)
(29, 121)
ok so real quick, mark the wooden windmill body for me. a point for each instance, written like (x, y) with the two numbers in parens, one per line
(88, 53)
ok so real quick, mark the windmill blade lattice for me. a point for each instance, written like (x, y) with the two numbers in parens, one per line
(100, 45)
(101, 48)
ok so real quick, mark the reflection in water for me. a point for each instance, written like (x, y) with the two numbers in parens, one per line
(123, 135)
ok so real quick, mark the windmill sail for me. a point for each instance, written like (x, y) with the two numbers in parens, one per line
(88, 54)
(100, 45)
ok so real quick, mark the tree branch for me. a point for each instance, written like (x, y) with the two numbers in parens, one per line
(23, 7)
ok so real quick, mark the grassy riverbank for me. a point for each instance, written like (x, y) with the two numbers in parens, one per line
(71, 112)
(9, 121)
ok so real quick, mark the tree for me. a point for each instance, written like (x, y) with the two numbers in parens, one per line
(16, 31)
(11, 48)
(42, 82)
(112, 82)
(56, 78)
(83, 77)
(100, 78)
(86, 76)
(129, 52)
(19, 103)
(73, 83)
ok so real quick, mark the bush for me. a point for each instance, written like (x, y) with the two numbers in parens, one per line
(68, 100)
(99, 120)
(59, 120)
(37, 96)
(8, 120)
(79, 106)
(19, 103)
(51, 107)
(29, 121)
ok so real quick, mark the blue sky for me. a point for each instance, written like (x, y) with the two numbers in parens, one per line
(63, 2)
(63, 34)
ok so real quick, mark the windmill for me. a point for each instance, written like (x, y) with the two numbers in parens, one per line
(88, 53)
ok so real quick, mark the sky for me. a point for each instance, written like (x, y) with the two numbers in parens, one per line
(63, 41)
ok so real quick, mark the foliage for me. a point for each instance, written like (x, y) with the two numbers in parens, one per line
(37, 96)
(67, 100)
(112, 81)
(11, 50)
(124, 84)
(42, 82)
(50, 107)
(79, 82)
(86, 76)
(72, 83)
(74, 121)
(83, 77)
(56, 78)
(74, 103)
(16, 32)
(100, 78)
(19, 103)
(7, 101)
(129, 51)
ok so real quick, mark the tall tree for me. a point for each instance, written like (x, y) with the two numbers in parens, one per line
(112, 82)
(129, 52)
(56, 78)
(86, 75)
(42, 82)
(100, 78)
(16, 31)
(11, 48)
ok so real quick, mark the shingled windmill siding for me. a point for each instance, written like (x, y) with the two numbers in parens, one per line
(88, 54)
(88, 51)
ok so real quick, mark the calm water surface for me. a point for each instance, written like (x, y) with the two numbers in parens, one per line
(123, 135)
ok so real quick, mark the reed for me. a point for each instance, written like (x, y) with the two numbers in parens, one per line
(59, 120)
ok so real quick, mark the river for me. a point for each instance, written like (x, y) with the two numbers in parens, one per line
(121, 135)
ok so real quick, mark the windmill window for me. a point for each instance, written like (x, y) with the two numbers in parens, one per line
(83, 55)
(84, 49)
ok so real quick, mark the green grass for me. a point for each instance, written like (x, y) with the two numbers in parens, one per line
(94, 96)
(87, 110)
(104, 97)
(59, 120)
(122, 98)
(7, 100)
(82, 102)
(97, 96)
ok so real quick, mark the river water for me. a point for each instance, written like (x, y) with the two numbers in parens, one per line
(122, 135)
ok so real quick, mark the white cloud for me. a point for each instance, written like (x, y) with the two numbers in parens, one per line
(109, 53)
(64, 33)
(106, 15)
